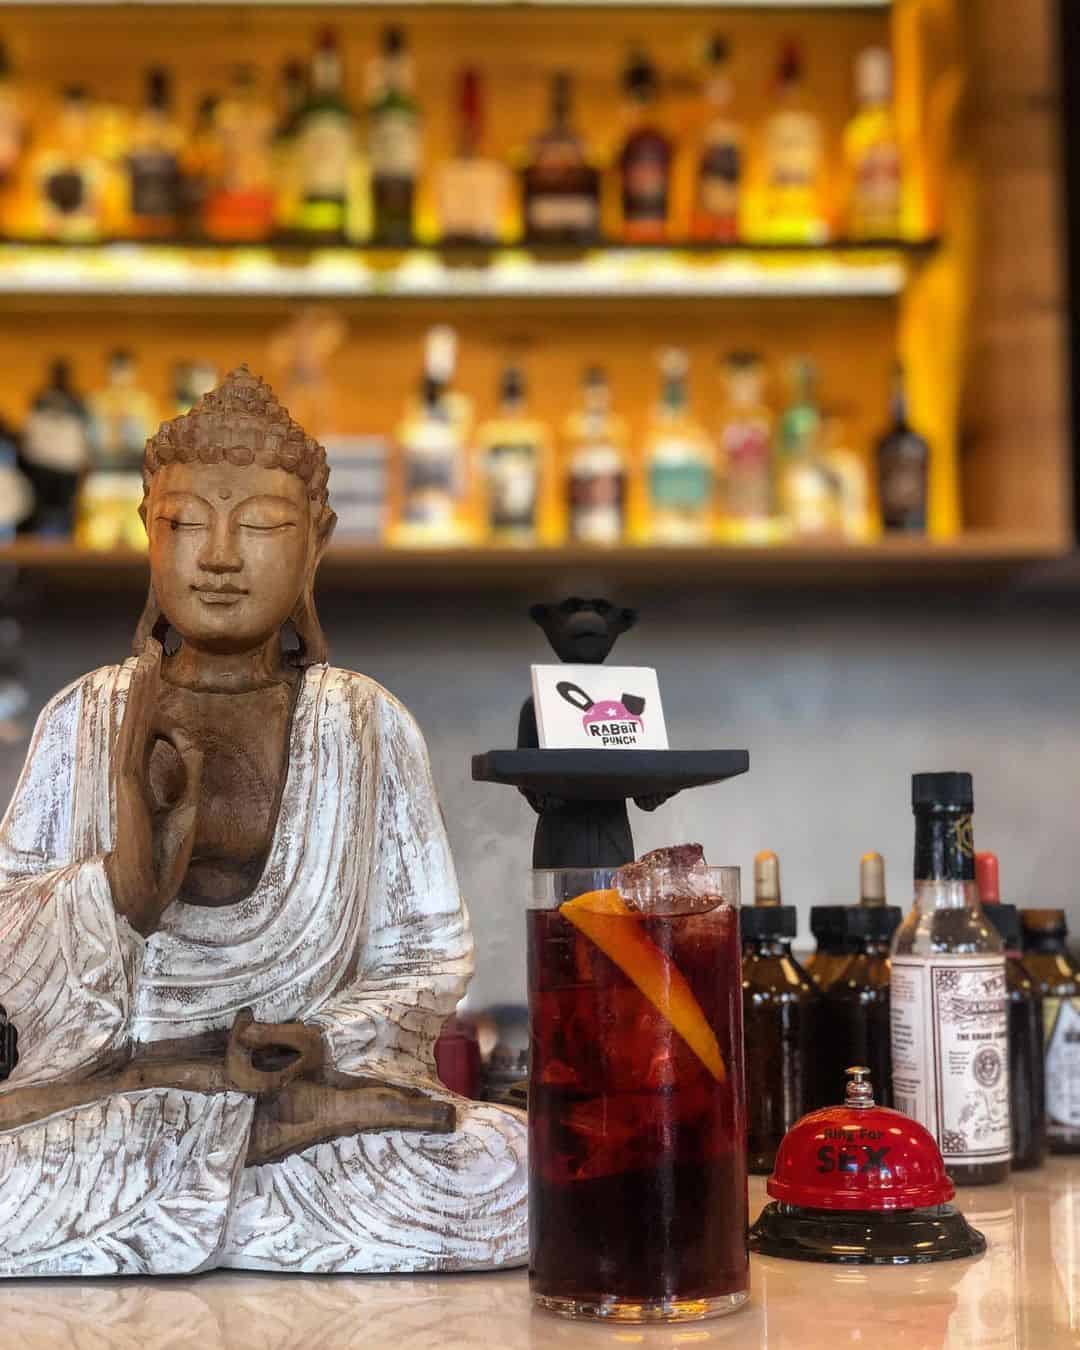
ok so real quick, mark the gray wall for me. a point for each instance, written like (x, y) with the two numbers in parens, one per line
(838, 699)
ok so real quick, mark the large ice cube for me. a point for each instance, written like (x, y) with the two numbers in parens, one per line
(669, 881)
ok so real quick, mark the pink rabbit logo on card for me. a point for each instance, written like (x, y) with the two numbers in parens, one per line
(611, 721)
(598, 708)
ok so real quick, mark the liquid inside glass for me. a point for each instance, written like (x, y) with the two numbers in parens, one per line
(637, 1148)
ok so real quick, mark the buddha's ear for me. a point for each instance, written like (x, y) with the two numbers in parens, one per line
(324, 532)
(152, 623)
(309, 634)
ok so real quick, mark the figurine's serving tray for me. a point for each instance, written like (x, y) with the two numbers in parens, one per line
(607, 775)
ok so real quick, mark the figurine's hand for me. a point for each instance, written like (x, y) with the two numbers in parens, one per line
(651, 801)
(145, 880)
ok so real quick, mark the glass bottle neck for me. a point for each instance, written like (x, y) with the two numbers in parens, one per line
(939, 894)
(944, 846)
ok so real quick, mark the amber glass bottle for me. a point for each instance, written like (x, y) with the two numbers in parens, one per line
(1057, 978)
(829, 924)
(781, 1021)
(857, 1002)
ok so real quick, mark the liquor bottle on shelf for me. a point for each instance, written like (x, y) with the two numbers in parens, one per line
(782, 1013)
(393, 142)
(1057, 978)
(847, 482)
(745, 444)
(1027, 1095)
(121, 417)
(680, 461)
(472, 190)
(793, 162)
(596, 466)
(645, 161)
(515, 453)
(153, 163)
(16, 494)
(190, 380)
(719, 170)
(55, 451)
(70, 177)
(12, 120)
(324, 148)
(903, 465)
(857, 991)
(200, 167)
(292, 99)
(560, 188)
(950, 1033)
(431, 442)
(805, 490)
(240, 205)
(872, 151)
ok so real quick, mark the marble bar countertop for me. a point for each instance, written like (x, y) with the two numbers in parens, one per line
(1023, 1294)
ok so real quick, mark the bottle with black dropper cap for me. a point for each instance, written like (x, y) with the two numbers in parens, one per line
(781, 1020)
(829, 924)
(1027, 1103)
(857, 995)
(949, 1026)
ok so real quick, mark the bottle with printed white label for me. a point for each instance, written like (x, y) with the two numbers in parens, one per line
(949, 1022)
(1057, 978)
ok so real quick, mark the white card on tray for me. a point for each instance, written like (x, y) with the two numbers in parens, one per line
(598, 708)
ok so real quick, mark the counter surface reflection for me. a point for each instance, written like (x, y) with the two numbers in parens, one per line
(1024, 1294)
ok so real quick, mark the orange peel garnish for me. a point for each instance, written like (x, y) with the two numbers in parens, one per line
(609, 923)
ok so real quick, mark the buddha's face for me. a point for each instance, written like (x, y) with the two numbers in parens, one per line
(230, 550)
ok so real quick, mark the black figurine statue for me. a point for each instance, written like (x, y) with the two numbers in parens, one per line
(581, 632)
(9, 1046)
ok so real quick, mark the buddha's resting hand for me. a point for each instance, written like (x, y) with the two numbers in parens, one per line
(145, 873)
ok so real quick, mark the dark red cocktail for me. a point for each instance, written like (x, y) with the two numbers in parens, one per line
(637, 1152)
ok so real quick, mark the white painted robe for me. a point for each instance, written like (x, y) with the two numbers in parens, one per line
(356, 925)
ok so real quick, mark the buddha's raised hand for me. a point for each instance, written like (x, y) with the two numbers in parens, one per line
(146, 868)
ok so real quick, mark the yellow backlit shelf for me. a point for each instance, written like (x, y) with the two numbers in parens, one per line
(977, 556)
(141, 270)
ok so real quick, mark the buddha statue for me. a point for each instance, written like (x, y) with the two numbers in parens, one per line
(230, 929)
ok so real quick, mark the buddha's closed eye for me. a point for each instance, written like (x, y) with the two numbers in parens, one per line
(180, 523)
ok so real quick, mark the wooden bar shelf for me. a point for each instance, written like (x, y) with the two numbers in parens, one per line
(225, 273)
(978, 556)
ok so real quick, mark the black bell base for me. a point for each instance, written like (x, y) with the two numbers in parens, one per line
(862, 1238)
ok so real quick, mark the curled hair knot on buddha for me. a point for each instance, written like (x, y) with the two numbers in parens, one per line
(241, 422)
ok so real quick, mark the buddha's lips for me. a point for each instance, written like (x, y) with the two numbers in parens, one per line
(220, 595)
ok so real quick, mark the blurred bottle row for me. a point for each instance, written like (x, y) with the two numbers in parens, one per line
(326, 166)
(745, 473)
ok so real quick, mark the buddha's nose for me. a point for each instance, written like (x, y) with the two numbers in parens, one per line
(220, 553)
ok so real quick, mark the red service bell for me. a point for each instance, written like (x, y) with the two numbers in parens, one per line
(864, 1185)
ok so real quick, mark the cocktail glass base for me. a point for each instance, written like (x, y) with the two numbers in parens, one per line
(636, 1310)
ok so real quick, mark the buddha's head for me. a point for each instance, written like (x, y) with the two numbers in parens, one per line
(235, 507)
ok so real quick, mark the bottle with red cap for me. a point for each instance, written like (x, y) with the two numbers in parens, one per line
(948, 1020)
(1026, 1092)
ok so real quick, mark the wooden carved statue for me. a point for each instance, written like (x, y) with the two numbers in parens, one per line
(230, 929)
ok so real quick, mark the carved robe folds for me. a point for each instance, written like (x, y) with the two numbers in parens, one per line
(356, 925)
